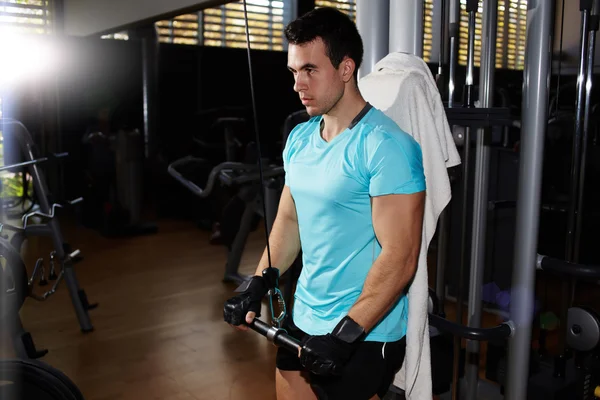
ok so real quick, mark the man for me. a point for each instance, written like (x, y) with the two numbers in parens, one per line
(353, 203)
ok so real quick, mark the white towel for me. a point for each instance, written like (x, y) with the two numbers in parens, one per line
(401, 85)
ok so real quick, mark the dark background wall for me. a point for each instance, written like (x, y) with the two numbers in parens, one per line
(196, 85)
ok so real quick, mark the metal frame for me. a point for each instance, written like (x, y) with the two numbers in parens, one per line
(537, 72)
(516, 331)
(20, 134)
(375, 36)
(540, 16)
(480, 200)
(406, 26)
(535, 113)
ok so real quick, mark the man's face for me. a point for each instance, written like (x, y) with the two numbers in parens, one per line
(317, 82)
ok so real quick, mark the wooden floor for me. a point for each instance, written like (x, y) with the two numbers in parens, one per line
(159, 330)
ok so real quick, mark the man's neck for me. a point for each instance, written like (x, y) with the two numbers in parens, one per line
(341, 115)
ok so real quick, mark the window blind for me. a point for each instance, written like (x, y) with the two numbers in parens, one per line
(510, 34)
(26, 16)
(224, 26)
(428, 30)
(183, 29)
(347, 6)
(23, 17)
(500, 36)
(516, 37)
(464, 34)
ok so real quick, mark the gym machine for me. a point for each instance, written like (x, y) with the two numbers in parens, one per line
(245, 177)
(14, 131)
(575, 372)
(62, 258)
(583, 324)
(24, 377)
(520, 382)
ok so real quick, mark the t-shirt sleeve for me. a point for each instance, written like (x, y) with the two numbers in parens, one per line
(395, 166)
(287, 152)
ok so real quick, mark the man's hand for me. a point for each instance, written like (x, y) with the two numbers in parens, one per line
(244, 307)
(328, 354)
(325, 354)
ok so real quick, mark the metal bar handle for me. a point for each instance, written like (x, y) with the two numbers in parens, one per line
(212, 177)
(278, 336)
(52, 211)
(172, 169)
(568, 268)
(500, 332)
(35, 161)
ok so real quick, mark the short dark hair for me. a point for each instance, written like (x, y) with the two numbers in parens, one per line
(336, 29)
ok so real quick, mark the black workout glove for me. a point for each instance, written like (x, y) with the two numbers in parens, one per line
(237, 307)
(328, 354)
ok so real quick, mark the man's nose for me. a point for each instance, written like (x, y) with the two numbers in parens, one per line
(299, 84)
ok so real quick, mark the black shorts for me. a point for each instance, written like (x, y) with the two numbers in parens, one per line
(370, 371)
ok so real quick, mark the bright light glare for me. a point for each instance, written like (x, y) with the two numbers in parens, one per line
(25, 58)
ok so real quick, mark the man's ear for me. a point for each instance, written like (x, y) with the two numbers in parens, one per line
(347, 67)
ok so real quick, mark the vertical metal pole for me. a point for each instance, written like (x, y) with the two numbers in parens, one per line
(373, 21)
(439, 30)
(568, 285)
(463, 261)
(441, 42)
(468, 102)
(472, 10)
(480, 192)
(201, 29)
(585, 7)
(149, 86)
(453, 34)
(58, 19)
(586, 130)
(540, 16)
(406, 26)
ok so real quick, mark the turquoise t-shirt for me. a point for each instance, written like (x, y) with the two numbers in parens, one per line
(332, 184)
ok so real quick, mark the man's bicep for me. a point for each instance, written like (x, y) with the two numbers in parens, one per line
(398, 222)
(287, 206)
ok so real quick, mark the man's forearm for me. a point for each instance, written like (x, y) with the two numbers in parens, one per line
(384, 285)
(284, 241)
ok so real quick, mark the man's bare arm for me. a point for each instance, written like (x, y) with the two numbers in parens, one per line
(398, 221)
(284, 238)
(284, 241)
